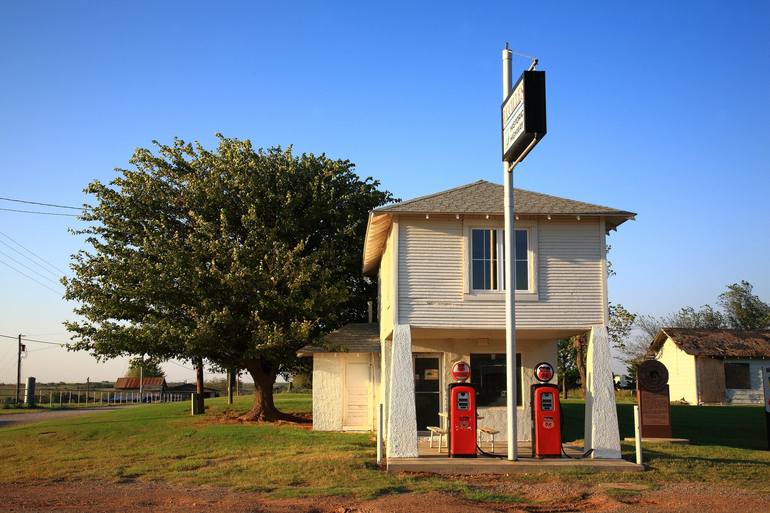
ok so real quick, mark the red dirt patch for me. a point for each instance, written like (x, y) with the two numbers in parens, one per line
(141, 497)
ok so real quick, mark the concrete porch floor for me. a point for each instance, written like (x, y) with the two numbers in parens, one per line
(432, 461)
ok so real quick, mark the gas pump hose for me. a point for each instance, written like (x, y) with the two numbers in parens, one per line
(490, 454)
(564, 452)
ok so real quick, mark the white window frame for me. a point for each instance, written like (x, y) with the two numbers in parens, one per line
(530, 226)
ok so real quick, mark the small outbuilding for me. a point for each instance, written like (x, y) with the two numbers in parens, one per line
(345, 378)
(713, 366)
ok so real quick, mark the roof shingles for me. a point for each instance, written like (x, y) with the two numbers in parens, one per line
(484, 197)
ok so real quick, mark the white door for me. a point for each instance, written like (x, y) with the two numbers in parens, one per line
(356, 412)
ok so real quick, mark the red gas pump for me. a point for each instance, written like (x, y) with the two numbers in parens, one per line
(462, 414)
(546, 414)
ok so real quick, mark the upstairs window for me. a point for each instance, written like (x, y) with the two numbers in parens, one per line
(488, 259)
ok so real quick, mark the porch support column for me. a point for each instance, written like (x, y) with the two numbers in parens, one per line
(402, 415)
(601, 418)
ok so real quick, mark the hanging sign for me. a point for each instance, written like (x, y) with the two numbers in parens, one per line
(523, 115)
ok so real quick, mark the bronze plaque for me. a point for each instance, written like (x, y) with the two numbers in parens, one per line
(655, 412)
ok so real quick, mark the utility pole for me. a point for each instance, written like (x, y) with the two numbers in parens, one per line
(22, 348)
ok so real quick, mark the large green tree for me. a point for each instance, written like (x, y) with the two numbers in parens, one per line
(234, 255)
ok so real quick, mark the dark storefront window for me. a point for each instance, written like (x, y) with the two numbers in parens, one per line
(488, 375)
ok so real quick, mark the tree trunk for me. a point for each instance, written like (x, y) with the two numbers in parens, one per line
(263, 409)
(580, 360)
(199, 387)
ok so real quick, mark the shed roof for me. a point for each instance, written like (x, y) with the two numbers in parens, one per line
(148, 382)
(720, 343)
(362, 337)
(480, 197)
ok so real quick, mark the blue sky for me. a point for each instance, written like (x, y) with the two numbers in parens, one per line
(661, 108)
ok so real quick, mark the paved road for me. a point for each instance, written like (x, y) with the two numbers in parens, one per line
(13, 419)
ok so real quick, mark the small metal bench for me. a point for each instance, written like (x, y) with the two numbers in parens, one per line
(490, 433)
(437, 431)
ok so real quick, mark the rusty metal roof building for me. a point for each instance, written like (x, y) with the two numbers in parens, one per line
(721, 343)
(150, 383)
(362, 337)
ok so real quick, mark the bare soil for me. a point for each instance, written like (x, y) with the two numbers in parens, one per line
(536, 498)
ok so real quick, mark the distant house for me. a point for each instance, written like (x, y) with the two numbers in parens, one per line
(713, 366)
(188, 388)
(149, 384)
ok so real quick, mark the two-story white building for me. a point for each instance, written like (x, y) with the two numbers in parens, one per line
(438, 260)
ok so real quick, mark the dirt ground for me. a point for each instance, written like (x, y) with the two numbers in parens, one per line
(537, 498)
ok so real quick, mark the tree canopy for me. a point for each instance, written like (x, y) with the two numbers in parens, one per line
(234, 255)
(147, 367)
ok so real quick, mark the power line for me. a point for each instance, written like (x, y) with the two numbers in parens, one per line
(180, 365)
(39, 203)
(43, 341)
(28, 267)
(34, 340)
(58, 292)
(58, 271)
(38, 212)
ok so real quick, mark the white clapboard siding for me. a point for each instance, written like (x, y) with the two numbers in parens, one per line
(431, 277)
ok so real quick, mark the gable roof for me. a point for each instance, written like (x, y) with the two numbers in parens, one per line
(483, 197)
(480, 197)
(715, 343)
(358, 337)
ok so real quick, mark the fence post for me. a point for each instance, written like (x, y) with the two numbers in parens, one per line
(50, 398)
(379, 435)
(69, 399)
(61, 401)
(638, 435)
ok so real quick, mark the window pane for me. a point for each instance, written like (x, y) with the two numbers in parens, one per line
(477, 243)
(478, 274)
(522, 278)
(488, 376)
(521, 244)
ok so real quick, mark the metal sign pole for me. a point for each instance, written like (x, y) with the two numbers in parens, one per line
(766, 388)
(510, 283)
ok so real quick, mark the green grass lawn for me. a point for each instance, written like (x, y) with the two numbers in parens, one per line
(163, 442)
